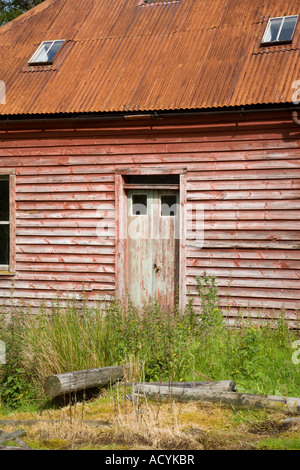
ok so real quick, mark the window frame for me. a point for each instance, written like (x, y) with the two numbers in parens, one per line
(33, 62)
(277, 41)
(10, 269)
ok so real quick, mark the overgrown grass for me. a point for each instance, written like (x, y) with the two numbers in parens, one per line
(160, 345)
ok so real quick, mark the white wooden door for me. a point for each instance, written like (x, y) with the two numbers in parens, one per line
(152, 246)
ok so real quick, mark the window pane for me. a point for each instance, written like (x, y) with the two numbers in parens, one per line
(4, 244)
(168, 206)
(139, 204)
(4, 200)
(288, 29)
(54, 50)
(41, 54)
(273, 30)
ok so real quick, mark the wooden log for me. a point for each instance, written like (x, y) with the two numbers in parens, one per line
(34, 422)
(14, 448)
(62, 384)
(222, 385)
(290, 422)
(239, 400)
(6, 437)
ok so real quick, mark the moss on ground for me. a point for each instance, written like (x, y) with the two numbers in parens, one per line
(123, 425)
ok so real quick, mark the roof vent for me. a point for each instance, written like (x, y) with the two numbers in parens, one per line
(46, 52)
(280, 30)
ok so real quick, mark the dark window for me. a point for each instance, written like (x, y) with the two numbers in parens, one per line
(151, 179)
(280, 30)
(139, 204)
(4, 220)
(168, 206)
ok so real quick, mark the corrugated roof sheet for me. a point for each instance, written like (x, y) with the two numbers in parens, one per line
(123, 56)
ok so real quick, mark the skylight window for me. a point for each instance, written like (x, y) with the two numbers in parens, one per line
(46, 53)
(280, 30)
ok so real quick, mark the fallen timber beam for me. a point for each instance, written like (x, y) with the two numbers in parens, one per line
(12, 436)
(14, 448)
(222, 385)
(239, 400)
(70, 382)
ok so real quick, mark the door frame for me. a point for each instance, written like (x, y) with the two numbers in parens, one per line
(121, 224)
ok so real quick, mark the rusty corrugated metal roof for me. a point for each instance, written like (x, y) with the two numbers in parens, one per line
(123, 56)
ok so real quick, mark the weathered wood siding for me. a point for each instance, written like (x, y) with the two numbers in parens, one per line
(246, 172)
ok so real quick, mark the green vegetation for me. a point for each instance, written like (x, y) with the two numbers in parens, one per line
(156, 345)
(279, 444)
(10, 9)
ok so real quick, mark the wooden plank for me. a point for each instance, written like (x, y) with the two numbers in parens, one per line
(89, 277)
(231, 273)
(84, 196)
(68, 268)
(252, 282)
(72, 242)
(42, 231)
(26, 301)
(74, 257)
(64, 249)
(252, 215)
(249, 292)
(249, 225)
(229, 175)
(67, 223)
(278, 265)
(194, 245)
(242, 185)
(250, 234)
(61, 205)
(61, 188)
(66, 286)
(249, 205)
(259, 313)
(40, 294)
(226, 303)
(25, 179)
(243, 195)
(65, 213)
(231, 253)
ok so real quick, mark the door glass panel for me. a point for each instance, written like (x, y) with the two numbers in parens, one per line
(139, 204)
(168, 206)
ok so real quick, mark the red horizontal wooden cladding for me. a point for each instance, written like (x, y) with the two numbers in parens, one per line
(245, 173)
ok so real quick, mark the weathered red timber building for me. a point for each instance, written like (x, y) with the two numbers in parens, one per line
(143, 143)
